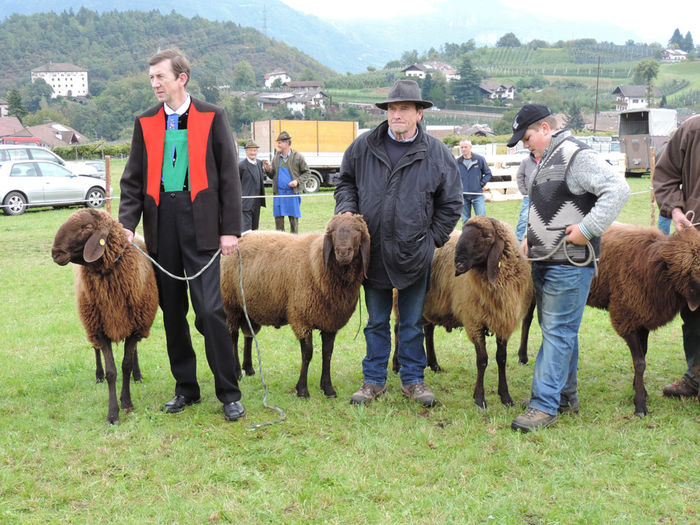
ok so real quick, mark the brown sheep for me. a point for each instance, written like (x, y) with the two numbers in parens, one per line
(116, 291)
(309, 281)
(644, 279)
(480, 280)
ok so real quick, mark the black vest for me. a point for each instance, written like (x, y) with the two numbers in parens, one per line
(553, 207)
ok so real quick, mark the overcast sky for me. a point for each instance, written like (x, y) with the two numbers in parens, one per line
(652, 21)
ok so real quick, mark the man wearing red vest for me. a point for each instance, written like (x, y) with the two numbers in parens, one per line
(182, 177)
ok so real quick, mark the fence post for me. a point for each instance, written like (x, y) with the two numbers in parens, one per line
(108, 183)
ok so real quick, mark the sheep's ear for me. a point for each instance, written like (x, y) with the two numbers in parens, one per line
(327, 249)
(364, 253)
(493, 264)
(95, 246)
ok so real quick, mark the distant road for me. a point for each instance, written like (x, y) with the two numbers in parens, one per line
(469, 114)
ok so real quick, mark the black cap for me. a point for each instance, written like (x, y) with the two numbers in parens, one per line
(528, 114)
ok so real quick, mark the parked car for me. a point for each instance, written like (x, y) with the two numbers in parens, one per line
(32, 152)
(26, 183)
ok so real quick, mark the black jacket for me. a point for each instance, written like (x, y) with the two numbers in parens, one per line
(410, 210)
(252, 183)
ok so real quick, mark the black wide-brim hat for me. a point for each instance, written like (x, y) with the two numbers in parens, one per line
(528, 114)
(405, 91)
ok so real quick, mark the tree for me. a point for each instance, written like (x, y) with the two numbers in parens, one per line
(392, 64)
(574, 118)
(676, 39)
(34, 92)
(438, 91)
(243, 75)
(465, 89)
(688, 44)
(647, 70)
(409, 58)
(15, 107)
(508, 40)
(209, 89)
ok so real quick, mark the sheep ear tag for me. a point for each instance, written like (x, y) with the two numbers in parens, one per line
(95, 246)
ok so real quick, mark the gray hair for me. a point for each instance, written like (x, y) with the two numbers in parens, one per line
(465, 141)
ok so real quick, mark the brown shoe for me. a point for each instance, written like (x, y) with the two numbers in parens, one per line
(419, 392)
(680, 388)
(533, 419)
(563, 409)
(367, 393)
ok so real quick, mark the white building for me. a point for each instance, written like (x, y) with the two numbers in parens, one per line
(632, 97)
(430, 68)
(674, 55)
(66, 80)
(3, 108)
(271, 77)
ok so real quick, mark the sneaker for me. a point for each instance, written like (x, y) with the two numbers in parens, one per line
(533, 419)
(419, 392)
(563, 408)
(680, 388)
(367, 393)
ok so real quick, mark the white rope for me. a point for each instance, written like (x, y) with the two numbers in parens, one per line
(178, 277)
(590, 259)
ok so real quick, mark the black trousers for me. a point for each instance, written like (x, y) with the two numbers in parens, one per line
(251, 218)
(177, 253)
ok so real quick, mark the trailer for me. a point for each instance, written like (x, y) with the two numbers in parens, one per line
(642, 129)
(322, 142)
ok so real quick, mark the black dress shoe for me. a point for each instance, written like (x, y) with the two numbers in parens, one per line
(233, 411)
(178, 404)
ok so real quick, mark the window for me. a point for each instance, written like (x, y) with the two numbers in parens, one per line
(27, 169)
(50, 169)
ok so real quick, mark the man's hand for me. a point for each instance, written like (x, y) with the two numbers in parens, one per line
(574, 235)
(228, 244)
(523, 245)
(680, 221)
(293, 183)
(129, 235)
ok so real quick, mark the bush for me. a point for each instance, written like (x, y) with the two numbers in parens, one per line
(92, 150)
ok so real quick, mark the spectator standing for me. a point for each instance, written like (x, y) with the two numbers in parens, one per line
(525, 171)
(475, 173)
(406, 185)
(677, 192)
(251, 171)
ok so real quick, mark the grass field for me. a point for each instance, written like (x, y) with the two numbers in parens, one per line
(329, 462)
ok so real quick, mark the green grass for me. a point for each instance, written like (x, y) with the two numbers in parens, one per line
(329, 462)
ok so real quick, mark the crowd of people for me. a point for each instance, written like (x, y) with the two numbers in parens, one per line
(183, 179)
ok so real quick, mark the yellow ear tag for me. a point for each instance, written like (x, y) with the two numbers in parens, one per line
(102, 242)
(499, 264)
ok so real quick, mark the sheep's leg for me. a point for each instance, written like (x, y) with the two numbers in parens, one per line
(248, 355)
(525, 332)
(482, 360)
(307, 352)
(127, 368)
(395, 365)
(111, 377)
(637, 341)
(136, 369)
(236, 360)
(99, 371)
(429, 332)
(501, 358)
(327, 341)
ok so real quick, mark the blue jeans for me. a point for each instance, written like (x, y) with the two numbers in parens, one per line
(664, 225)
(522, 220)
(378, 335)
(561, 292)
(479, 204)
(691, 345)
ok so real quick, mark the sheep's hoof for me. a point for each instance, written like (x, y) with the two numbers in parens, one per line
(481, 404)
(639, 414)
(99, 380)
(127, 409)
(112, 420)
(396, 369)
(329, 392)
(508, 401)
(303, 393)
(436, 368)
(250, 371)
(523, 361)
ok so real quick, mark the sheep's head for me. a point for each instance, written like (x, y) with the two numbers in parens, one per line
(83, 238)
(479, 246)
(346, 237)
(681, 256)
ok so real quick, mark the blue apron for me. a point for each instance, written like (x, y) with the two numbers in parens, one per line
(285, 206)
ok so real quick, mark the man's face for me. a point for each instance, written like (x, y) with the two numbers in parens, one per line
(251, 153)
(466, 150)
(283, 146)
(537, 139)
(168, 87)
(403, 119)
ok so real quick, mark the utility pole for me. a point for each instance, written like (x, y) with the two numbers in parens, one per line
(595, 110)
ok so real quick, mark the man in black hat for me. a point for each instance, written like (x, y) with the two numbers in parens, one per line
(574, 197)
(252, 176)
(407, 186)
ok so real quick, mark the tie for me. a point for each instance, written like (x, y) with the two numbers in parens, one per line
(172, 124)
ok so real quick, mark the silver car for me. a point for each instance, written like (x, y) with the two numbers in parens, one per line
(26, 183)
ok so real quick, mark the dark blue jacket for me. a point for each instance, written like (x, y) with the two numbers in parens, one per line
(410, 210)
(476, 176)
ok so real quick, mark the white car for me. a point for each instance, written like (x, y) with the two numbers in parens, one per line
(26, 183)
(32, 152)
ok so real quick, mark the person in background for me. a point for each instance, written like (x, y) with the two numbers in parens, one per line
(406, 185)
(475, 173)
(182, 177)
(251, 171)
(677, 192)
(288, 172)
(525, 171)
(574, 196)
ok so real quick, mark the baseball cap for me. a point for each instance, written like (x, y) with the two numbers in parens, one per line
(528, 114)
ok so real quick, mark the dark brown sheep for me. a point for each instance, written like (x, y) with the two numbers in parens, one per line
(116, 291)
(644, 279)
(480, 280)
(309, 281)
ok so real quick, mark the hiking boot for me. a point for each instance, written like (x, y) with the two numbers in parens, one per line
(533, 419)
(564, 408)
(419, 392)
(367, 393)
(680, 388)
